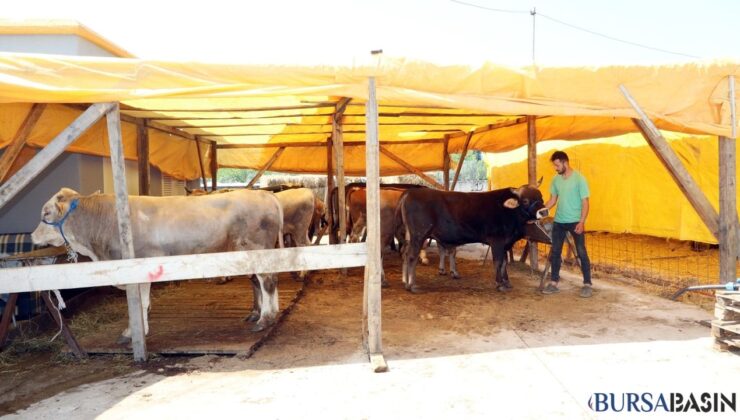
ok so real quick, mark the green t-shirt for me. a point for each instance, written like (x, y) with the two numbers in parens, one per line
(570, 192)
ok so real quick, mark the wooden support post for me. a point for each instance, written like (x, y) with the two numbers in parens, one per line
(410, 168)
(446, 164)
(330, 207)
(142, 151)
(673, 164)
(202, 168)
(337, 135)
(267, 166)
(214, 166)
(43, 158)
(728, 225)
(16, 145)
(462, 160)
(373, 269)
(56, 315)
(123, 213)
(5, 321)
(534, 261)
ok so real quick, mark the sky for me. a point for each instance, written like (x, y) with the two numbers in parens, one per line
(440, 31)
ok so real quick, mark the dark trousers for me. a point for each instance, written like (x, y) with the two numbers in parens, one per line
(559, 231)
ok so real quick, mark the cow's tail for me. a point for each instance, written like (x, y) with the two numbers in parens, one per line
(399, 222)
(281, 221)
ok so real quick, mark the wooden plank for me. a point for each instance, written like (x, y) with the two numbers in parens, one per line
(462, 160)
(333, 237)
(728, 234)
(16, 145)
(200, 164)
(214, 166)
(534, 261)
(373, 268)
(8, 312)
(272, 108)
(353, 143)
(142, 153)
(410, 168)
(338, 142)
(446, 164)
(492, 127)
(267, 166)
(123, 215)
(673, 164)
(56, 315)
(23, 177)
(181, 267)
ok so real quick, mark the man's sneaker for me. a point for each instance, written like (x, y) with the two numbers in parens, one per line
(586, 291)
(550, 290)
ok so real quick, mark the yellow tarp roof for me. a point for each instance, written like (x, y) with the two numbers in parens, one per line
(421, 105)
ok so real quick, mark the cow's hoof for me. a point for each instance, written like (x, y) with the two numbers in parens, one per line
(384, 284)
(223, 280)
(123, 340)
(456, 275)
(415, 290)
(425, 261)
(253, 317)
(442, 272)
(258, 327)
(504, 288)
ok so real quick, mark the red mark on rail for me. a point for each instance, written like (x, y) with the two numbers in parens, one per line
(157, 274)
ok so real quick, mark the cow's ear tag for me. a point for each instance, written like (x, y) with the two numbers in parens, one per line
(511, 203)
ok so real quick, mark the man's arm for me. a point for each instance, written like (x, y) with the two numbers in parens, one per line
(580, 227)
(551, 202)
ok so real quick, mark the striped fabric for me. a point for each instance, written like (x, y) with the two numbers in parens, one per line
(14, 243)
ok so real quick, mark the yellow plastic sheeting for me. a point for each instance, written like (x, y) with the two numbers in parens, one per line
(426, 157)
(631, 191)
(171, 154)
(426, 101)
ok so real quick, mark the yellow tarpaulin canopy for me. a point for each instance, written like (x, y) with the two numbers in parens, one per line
(422, 106)
(631, 191)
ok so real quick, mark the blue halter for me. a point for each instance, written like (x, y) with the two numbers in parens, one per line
(60, 223)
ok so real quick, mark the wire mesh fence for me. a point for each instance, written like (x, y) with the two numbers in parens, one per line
(666, 263)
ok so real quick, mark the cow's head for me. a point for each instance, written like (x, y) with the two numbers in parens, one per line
(52, 213)
(529, 200)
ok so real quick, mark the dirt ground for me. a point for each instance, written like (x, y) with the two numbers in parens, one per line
(458, 348)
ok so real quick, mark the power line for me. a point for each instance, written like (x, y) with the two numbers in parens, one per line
(490, 8)
(635, 44)
(534, 13)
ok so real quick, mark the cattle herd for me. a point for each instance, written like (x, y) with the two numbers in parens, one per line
(237, 220)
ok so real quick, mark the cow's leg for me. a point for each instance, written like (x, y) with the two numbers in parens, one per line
(452, 252)
(423, 252)
(145, 289)
(303, 242)
(254, 316)
(269, 310)
(498, 253)
(442, 253)
(412, 258)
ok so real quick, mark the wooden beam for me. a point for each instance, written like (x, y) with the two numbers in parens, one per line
(373, 269)
(333, 237)
(462, 160)
(337, 137)
(8, 313)
(352, 143)
(181, 267)
(273, 108)
(23, 177)
(142, 153)
(673, 164)
(534, 261)
(200, 164)
(123, 215)
(16, 145)
(492, 127)
(214, 166)
(267, 166)
(728, 222)
(410, 168)
(446, 164)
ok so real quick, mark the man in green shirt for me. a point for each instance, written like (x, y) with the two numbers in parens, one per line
(569, 190)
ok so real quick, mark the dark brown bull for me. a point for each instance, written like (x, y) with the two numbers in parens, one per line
(495, 218)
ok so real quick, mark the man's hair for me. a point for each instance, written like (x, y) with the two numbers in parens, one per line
(559, 155)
